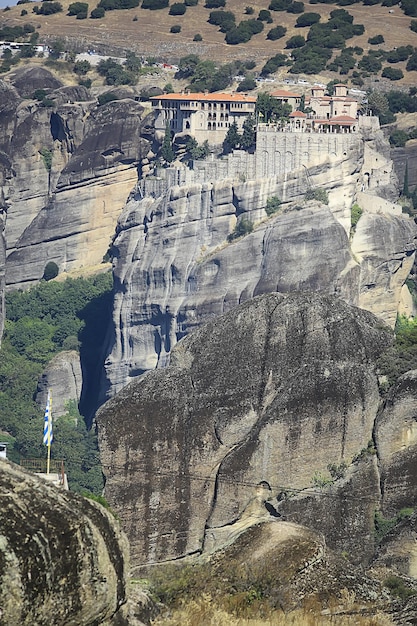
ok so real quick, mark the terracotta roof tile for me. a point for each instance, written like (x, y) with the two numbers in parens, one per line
(205, 97)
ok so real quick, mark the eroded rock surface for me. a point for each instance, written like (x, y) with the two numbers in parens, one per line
(174, 268)
(67, 170)
(63, 558)
(273, 391)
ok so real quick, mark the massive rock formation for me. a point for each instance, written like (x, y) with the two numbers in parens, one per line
(175, 270)
(63, 558)
(67, 169)
(273, 391)
(63, 374)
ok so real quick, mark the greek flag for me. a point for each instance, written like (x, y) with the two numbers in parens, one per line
(47, 428)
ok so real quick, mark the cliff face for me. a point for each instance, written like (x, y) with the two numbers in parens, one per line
(273, 391)
(67, 170)
(175, 270)
(63, 558)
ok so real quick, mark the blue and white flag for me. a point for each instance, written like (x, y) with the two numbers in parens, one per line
(47, 427)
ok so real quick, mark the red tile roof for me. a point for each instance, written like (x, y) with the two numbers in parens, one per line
(298, 114)
(206, 97)
(282, 93)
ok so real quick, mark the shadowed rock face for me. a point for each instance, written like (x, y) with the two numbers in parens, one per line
(63, 559)
(275, 390)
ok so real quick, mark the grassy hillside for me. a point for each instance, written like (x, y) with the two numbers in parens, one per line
(147, 32)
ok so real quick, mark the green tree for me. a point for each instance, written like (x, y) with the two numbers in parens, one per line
(51, 271)
(167, 151)
(232, 139)
(273, 205)
(77, 7)
(82, 67)
(248, 139)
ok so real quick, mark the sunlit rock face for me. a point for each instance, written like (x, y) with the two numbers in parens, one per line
(274, 391)
(64, 559)
(66, 171)
(175, 269)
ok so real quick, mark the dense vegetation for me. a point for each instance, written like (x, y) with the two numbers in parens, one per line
(54, 316)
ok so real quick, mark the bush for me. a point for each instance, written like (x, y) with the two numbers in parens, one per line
(273, 205)
(214, 4)
(376, 40)
(320, 195)
(249, 11)
(276, 33)
(175, 29)
(82, 67)
(178, 8)
(398, 138)
(243, 227)
(297, 41)
(46, 155)
(392, 73)
(223, 19)
(413, 26)
(97, 13)
(106, 97)
(49, 8)
(412, 62)
(307, 19)
(247, 84)
(271, 66)
(296, 7)
(154, 5)
(51, 271)
(398, 588)
(197, 37)
(355, 215)
(279, 5)
(77, 7)
(265, 16)
(23, 12)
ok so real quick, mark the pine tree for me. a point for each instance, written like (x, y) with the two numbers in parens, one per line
(232, 139)
(248, 139)
(167, 151)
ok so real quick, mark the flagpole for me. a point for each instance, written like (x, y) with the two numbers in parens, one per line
(47, 430)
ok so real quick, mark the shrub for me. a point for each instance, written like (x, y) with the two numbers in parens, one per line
(273, 64)
(320, 195)
(370, 64)
(178, 8)
(106, 97)
(23, 12)
(77, 7)
(46, 155)
(279, 5)
(398, 138)
(296, 7)
(154, 5)
(247, 84)
(51, 271)
(376, 40)
(276, 33)
(215, 4)
(82, 67)
(49, 8)
(97, 13)
(398, 588)
(223, 19)
(412, 62)
(392, 73)
(355, 215)
(265, 16)
(175, 29)
(273, 205)
(307, 19)
(297, 41)
(243, 227)
(413, 26)
(197, 37)
(249, 11)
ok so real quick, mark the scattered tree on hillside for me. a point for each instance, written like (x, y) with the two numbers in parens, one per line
(248, 138)
(232, 139)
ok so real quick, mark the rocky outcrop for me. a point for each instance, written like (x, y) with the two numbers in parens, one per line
(396, 438)
(62, 374)
(63, 558)
(68, 171)
(273, 391)
(174, 268)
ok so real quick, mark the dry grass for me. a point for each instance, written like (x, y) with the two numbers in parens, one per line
(150, 35)
(203, 612)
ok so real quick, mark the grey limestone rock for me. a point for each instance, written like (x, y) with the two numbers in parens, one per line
(274, 391)
(63, 374)
(64, 559)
